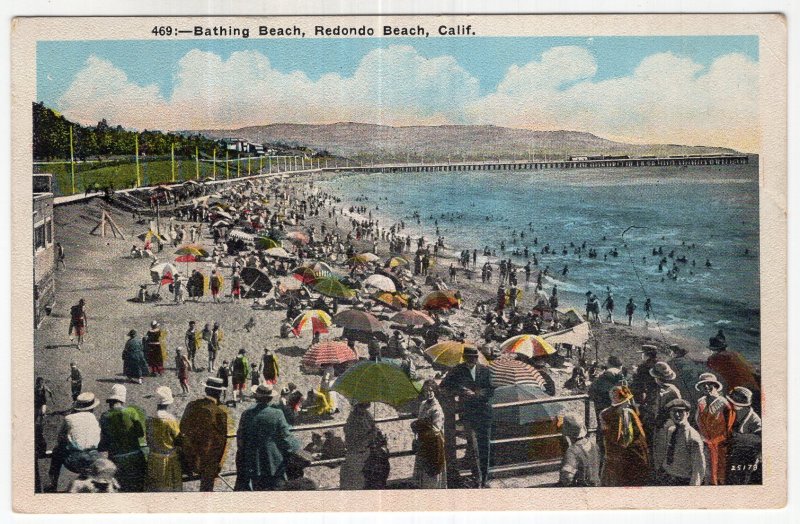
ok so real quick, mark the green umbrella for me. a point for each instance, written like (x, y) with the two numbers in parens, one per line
(332, 287)
(370, 381)
(266, 243)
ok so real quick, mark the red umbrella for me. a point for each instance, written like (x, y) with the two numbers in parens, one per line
(305, 274)
(508, 371)
(441, 300)
(412, 317)
(328, 352)
(187, 259)
(358, 320)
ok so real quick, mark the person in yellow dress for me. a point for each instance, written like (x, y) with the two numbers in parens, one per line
(163, 439)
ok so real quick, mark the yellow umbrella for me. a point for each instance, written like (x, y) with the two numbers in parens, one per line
(451, 353)
(528, 345)
(320, 321)
(398, 261)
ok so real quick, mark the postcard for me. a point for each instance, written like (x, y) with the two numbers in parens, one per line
(404, 258)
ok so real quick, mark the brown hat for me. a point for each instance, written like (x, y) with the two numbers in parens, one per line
(263, 392)
(662, 371)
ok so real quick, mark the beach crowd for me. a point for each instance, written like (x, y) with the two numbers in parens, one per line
(670, 420)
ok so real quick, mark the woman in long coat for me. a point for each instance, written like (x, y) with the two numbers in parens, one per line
(134, 365)
(156, 348)
(429, 467)
(269, 367)
(359, 433)
(626, 461)
(163, 439)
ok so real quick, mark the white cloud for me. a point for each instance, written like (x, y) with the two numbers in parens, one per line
(668, 98)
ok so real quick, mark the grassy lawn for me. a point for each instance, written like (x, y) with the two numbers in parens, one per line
(123, 174)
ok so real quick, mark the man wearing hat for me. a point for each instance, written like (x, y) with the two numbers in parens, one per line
(642, 383)
(204, 428)
(471, 383)
(679, 458)
(687, 372)
(163, 431)
(99, 478)
(77, 439)
(580, 466)
(601, 387)
(714, 418)
(653, 408)
(134, 365)
(264, 443)
(732, 368)
(744, 449)
(626, 461)
(122, 435)
(155, 341)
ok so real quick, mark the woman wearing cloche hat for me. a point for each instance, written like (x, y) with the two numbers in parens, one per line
(714, 419)
(163, 439)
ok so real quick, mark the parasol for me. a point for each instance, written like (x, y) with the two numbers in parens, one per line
(451, 353)
(369, 381)
(528, 345)
(358, 320)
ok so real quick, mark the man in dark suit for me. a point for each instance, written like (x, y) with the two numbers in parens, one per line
(470, 382)
(265, 442)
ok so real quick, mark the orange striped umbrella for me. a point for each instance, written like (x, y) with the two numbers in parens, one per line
(320, 321)
(508, 371)
(528, 345)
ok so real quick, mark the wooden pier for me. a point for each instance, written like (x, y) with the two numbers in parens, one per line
(538, 165)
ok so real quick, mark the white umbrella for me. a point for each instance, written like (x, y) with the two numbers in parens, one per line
(277, 252)
(381, 282)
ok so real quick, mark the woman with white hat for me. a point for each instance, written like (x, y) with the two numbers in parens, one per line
(163, 439)
(715, 418)
(78, 439)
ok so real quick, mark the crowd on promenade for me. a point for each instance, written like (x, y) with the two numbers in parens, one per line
(668, 421)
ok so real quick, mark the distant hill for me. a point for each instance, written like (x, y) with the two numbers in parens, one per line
(355, 140)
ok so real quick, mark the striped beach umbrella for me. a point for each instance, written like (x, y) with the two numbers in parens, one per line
(507, 371)
(319, 320)
(451, 353)
(322, 269)
(328, 352)
(393, 300)
(305, 274)
(528, 345)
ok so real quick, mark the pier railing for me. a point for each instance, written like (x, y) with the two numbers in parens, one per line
(510, 468)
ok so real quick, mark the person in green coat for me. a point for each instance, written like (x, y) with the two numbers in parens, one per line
(265, 442)
(134, 364)
(123, 436)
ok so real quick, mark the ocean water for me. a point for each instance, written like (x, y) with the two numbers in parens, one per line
(714, 208)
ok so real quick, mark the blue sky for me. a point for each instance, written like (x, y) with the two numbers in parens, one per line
(695, 90)
(487, 59)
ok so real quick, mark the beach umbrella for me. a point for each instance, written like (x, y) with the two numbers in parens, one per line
(528, 345)
(451, 353)
(328, 352)
(267, 243)
(397, 261)
(192, 249)
(305, 274)
(413, 317)
(438, 300)
(381, 282)
(221, 223)
(393, 300)
(364, 258)
(256, 279)
(297, 237)
(277, 252)
(507, 371)
(331, 287)
(370, 381)
(163, 273)
(224, 214)
(358, 320)
(521, 415)
(150, 234)
(319, 320)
